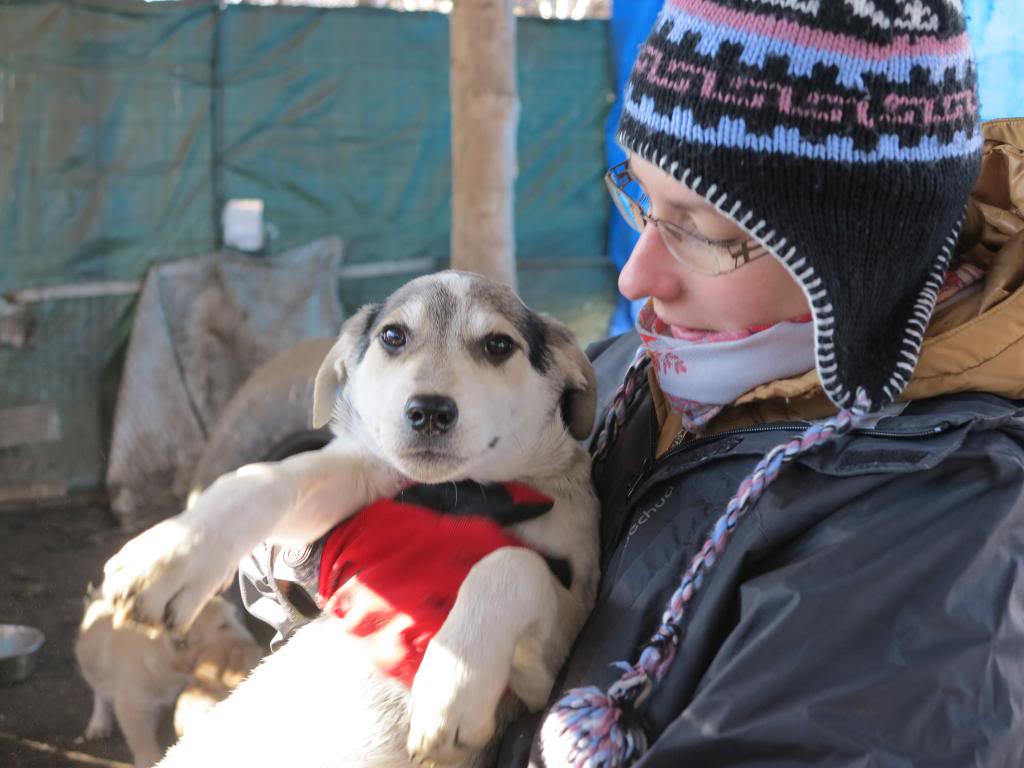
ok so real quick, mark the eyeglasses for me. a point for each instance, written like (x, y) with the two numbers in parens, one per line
(709, 257)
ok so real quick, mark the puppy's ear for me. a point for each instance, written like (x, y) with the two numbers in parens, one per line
(329, 378)
(579, 395)
(353, 340)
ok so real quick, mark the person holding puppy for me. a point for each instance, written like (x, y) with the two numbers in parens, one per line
(811, 455)
(811, 465)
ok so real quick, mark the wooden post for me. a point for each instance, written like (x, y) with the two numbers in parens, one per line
(485, 116)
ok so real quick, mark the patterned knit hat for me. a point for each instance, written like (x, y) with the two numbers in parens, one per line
(842, 135)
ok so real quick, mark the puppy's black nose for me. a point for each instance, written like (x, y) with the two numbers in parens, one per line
(431, 413)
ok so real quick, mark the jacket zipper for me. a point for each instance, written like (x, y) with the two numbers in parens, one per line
(792, 426)
(938, 429)
(638, 478)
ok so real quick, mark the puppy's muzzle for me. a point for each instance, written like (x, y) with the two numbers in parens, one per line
(431, 414)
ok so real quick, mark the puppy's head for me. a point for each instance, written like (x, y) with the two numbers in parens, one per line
(454, 377)
(217, 625)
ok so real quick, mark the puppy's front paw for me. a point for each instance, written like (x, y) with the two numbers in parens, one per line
(165, 575)
(452, 708)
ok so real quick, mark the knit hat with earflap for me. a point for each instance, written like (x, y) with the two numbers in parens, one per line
(842, 135)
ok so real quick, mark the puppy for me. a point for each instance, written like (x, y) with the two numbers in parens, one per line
(136, 673)
(452, 378)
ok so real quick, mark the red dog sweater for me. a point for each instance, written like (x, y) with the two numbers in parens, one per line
(392, 572)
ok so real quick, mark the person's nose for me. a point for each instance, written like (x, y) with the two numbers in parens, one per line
(651, 270)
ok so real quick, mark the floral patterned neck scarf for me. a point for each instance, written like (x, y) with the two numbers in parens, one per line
(700, 372)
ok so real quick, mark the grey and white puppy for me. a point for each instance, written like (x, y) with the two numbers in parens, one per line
(451, 378)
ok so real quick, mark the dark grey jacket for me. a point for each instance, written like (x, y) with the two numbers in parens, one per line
(868, 610)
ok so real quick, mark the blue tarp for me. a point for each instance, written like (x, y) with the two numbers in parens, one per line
(629, 26)
(996, 28)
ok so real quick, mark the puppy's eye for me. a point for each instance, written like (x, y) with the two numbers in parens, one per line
(498, 346)
(392, 337)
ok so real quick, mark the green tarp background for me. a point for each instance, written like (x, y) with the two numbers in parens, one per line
(124, 126)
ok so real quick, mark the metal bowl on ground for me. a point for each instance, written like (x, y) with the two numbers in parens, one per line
(19, 647)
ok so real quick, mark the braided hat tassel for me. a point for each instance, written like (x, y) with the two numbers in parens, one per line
(589, 728)
(633, 383)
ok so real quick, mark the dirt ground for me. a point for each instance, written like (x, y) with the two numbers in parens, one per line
(47, 557)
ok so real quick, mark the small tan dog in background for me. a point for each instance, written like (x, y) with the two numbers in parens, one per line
(137, 672)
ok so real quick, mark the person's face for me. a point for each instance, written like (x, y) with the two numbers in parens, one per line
(759, 293)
